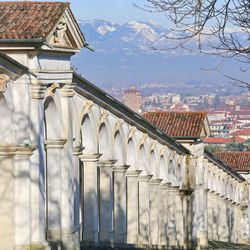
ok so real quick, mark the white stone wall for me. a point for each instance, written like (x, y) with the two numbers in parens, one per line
(74, 171)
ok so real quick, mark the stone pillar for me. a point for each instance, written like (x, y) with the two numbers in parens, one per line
(244, 225)
(179, 219)
(7, 194)
(172, 230)
(53, 187)
(22, 198)
(132, 206)
(143, 234)
(38, 165)
(89, 197)
(236, 223)
(106, 201)
(199, 221)
(120, 203)
(154, 211)
(223, 222)
(210, 216)
(163, 214)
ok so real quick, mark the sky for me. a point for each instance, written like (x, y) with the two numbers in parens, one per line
(120, 11)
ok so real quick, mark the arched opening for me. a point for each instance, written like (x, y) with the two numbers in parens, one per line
(119, 151)
(52, 120)
(171, 173)
(163, 169)
(105, 146)
(153, 165)
(131, 155)
(88, 135)
(143, 161)
(6, 122)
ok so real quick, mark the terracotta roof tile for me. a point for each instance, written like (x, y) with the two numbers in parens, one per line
(223, 140)
(178, 124)
(26, 20)
(245, 131)
(238, 161)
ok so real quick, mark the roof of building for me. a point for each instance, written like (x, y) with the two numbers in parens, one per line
(29, 20)
(223, 140)
(178, 124)
(238, 161)
(245, 131)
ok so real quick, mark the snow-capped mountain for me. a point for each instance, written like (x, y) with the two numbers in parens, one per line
(124, 54)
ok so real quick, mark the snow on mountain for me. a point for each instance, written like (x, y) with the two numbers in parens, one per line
(124, 53)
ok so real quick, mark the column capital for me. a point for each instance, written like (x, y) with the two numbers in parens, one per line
(38, 91)
(106, 163)
(78, 150)
(55, 143)
(155, 181)
(90, 157)
(14, 150)
(164, 184)
(133, 173)
(145, 178)
(121, 169)
(68, 90)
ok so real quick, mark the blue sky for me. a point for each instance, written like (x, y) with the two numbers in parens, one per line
(120, 11)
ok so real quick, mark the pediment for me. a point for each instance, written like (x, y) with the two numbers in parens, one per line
(66, 33)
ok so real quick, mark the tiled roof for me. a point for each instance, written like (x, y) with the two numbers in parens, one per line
(223, 140)
(238, 161)
(245, 131)
(29, 20)
(178, 124)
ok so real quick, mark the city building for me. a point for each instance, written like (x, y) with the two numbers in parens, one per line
(133, 99)
(78, 168)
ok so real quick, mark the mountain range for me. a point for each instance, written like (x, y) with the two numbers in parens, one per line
(135, 52)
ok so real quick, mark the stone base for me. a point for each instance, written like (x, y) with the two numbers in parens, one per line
(90, 236)
(106, 237)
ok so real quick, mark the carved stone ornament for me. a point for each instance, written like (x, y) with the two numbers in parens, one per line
(118, 124)
(3, 82)
(132, 130)
(60, 31)
(143, 138)
(104, 116)
(87, 107)
(52, 88)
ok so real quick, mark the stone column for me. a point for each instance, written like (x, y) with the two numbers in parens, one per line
(132, 206)
(89, 197)
(163, 214)
(22, 198)
(7, 194)
(38, 166)
(244, 225)
(210, 216)
(172, 230)
(199, 220)
(222, 222)
(154, 211)
(53, 187)
(106, 201)
(120, 204)
(179, 219)
(143, 234)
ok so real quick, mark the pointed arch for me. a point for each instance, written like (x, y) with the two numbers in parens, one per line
(88, 134)
(53, 121)
(119, 148)
(131, 155)
(105, 142)
(6, 135)
(143, 160)
(153, 165)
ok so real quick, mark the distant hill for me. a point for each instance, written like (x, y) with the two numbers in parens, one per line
(124, 55)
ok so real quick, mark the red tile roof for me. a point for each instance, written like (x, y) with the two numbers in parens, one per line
(26, 20)
(245, 131)
(223, 140)
(178, 124)
(238, 161)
